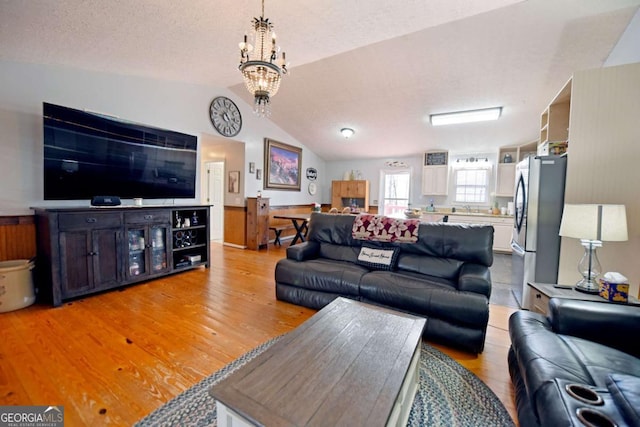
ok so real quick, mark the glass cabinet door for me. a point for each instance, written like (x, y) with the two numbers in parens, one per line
(136, 263)
(158, 248)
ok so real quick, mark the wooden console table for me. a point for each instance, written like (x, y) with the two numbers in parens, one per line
(350, 364)
(86, 250)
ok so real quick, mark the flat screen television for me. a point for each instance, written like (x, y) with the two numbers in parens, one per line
(88, 155)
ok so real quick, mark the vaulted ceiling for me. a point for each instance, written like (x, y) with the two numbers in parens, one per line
(376, 66)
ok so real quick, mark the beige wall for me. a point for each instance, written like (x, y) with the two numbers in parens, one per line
(604, 162)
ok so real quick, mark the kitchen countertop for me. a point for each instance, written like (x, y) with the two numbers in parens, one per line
(479, 214)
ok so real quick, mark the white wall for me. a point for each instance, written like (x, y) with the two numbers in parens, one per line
(626, 51)
(172, 105)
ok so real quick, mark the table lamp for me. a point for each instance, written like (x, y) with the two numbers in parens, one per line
(593, 224)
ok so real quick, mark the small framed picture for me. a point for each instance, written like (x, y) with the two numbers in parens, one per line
(234, 182)
(252, 167)
(258, 173)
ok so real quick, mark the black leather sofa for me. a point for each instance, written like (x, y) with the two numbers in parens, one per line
(560, 365)
(443, 277)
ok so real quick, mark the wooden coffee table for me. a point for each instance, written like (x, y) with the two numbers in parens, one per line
(350, 364)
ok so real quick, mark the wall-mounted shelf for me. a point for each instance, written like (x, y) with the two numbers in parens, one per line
(554, 120)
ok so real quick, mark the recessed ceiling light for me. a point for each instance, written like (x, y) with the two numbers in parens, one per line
(347, 132)
(465, 116)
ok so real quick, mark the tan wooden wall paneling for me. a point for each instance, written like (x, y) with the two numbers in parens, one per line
(17, 238)
(279, 210)
(235, 225)
(602, 163)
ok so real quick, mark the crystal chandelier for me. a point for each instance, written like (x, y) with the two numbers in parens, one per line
(260, 64)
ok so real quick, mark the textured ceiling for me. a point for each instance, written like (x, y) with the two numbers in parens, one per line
(379, 67)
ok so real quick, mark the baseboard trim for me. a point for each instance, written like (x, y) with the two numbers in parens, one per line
(233, 245)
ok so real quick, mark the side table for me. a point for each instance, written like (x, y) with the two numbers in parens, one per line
(541, 293)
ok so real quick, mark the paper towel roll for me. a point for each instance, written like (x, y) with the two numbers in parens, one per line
(510, 209)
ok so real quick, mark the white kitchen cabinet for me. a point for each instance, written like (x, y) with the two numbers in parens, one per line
(502, 228)
(435, 180)
(506, 179)
(503, 231)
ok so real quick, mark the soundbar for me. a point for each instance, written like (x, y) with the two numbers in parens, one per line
(105, 201)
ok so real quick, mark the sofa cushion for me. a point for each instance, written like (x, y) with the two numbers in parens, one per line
(432, 297)
(462, 242)
(339, 252)
(324, 275)
(445, 268)
(378, 258)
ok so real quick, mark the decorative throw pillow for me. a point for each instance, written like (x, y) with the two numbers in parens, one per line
(385, 229)
(377, 258)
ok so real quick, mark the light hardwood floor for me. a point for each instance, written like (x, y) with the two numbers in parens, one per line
(112, 358)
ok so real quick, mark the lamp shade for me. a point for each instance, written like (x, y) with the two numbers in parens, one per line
(595, 222)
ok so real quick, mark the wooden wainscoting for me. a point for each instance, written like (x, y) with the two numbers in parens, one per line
(295, 209)
(17, 237)
(235, 221)
(235, 225)
(286, 209)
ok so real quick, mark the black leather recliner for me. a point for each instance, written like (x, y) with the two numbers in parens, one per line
(444, 276)
(580, 363)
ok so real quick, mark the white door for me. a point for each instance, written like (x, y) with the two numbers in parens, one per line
(394, 192)
(215, 197)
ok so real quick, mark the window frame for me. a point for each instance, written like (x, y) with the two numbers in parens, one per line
(484, 186)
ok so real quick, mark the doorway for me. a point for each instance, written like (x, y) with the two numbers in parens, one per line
(215, 197)
(394, 191)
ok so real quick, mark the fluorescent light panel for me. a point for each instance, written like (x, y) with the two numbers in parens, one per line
(466, 116)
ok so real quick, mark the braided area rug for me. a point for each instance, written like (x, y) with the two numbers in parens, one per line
(448, 395)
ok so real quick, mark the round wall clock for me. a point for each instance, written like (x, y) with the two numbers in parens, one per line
(312, 188)
(225, 116)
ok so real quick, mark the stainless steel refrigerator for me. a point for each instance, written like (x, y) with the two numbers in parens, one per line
(538, 202)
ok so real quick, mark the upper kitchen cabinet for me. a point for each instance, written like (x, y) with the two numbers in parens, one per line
(508, 157)
(435, 173)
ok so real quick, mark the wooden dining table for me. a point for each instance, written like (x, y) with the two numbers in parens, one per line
(300, 222)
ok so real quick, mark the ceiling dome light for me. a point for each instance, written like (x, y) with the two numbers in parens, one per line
(347, 132)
